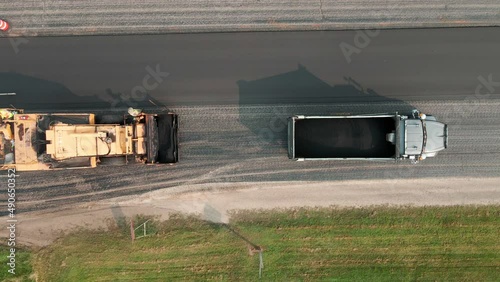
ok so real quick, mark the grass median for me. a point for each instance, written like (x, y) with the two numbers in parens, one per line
(355, 244)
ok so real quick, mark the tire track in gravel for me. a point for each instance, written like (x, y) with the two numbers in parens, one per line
(221, 144)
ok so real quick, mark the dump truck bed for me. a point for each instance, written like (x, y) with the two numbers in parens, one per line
(335, 137)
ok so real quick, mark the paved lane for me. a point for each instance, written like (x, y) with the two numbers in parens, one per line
(427, 64)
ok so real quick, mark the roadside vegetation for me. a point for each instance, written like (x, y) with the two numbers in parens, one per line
(356, 244)
(23, 269)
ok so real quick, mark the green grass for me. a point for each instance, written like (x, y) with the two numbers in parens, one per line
(23, 264)
(365, 244)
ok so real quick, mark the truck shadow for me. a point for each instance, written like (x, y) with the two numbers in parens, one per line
(301, 92)
(32, 93)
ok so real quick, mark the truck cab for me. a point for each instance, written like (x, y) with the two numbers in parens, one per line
(423, 137)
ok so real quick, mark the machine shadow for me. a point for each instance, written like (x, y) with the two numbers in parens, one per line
(301, 92)
(32, 94)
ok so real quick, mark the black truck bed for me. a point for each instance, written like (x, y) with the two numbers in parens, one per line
(344, 138)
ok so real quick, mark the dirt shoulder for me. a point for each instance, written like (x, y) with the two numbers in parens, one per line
(214, 201)
(50, 17)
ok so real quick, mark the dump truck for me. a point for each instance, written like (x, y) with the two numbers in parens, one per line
(45, 141)
(411, 137)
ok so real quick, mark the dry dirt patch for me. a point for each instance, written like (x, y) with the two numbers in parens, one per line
(214, 201)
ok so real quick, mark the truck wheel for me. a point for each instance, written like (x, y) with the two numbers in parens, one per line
(112, 161)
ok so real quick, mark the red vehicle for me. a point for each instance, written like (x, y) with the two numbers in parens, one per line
(4, 26)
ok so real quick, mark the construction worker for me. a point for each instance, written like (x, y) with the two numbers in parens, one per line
(134, 112)
(6, 131)
(6, 114)
(5, 127)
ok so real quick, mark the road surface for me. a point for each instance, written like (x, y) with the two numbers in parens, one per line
(233, 93)
(200, 69)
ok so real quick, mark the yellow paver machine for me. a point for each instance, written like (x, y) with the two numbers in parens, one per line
(43, 141)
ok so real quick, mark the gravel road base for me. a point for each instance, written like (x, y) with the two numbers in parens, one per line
(67, 17)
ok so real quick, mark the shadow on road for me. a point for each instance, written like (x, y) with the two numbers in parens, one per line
(302, 86)
(301, 92)
(34, 94)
